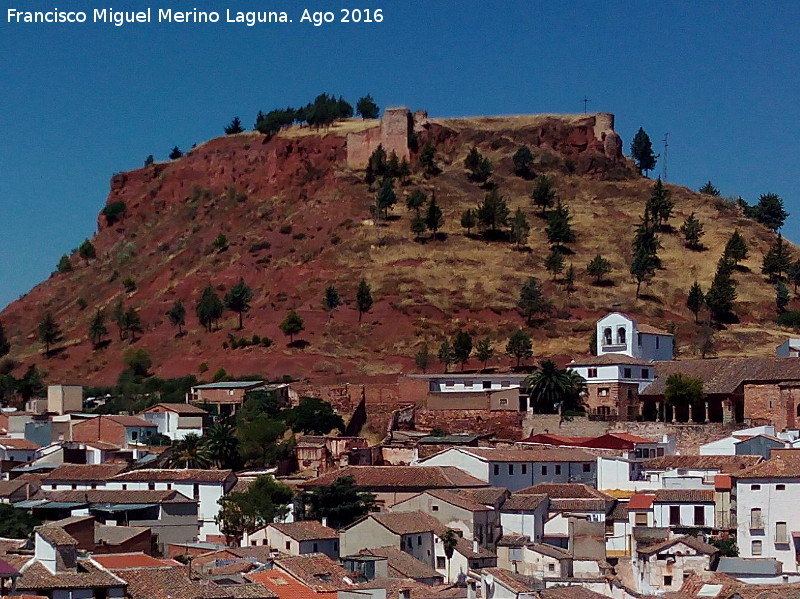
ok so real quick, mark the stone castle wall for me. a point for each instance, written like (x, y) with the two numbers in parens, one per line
(392, 133)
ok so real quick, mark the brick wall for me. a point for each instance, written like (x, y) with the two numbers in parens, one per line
(616, 399)
(392, 134)
(764, 403)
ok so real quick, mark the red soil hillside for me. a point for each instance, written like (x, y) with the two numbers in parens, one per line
(300, 219)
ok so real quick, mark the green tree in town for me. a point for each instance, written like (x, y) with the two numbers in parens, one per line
(735, 248)
(469, 220)
(695, 300)
(692, 230)
(434, 219)
(48, 331)
(484, 351)
(423, 358)
(87, 251)
(364, 299)
(265, 501)
(190, 452)
(559, 226)
(519, 346)
(520, 229)
(177, 315)
(685, 392)
(138, 360)
(553, 390)
(722, 293)
(554, 263)
(532, 301)
(313, 416)
(445, 354)
(331, 300)
(16, 523)
(292, 325)
(709, 189)
(97, 328)
(642, 152)
(462, 348)
(223, 445)
(238, 299)
(544, 194)
(777, 260)
(781, 297)
(598, 268)
(341, 503)
(523, 161)
(209, 308)
(449, 539)
(234, 127)
(366, 108)
(64, 264)
(493, 212)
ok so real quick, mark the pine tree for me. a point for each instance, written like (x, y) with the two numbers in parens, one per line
(781, 297)
(445, 354)
(777, 260)
(642, 152)
(367, 108)
(87, 251)
(97, 328)
(118, 317)
(469, 220)
(5, 346)
(177, 315)
(493, 212)
(331, 300)
(234, 127)
(643, 268)
(418, 226)
(479, 167)
(434, 219)
(473, 159)
(695, 300)
(769, 211)
(48, 331)
(520, 229)
(363, 298)
(793, 274)
(209, 308)
(175, 153)
(149, 160)
(692, 230)
(569, 280)
(598, 267)
(292, 325)
(523, 159)
(238, 299)
(554, 263)
(462, 348)
(484, 351)
(659, 205)
(559, 226)
(385, 198)
(709, 189)
(736, 248)
(132, 323)
(520, 346)
(64, 264)
(422, 359)
(532, 302)
(543, 195)
(427, 159)
(416, 200)
(722, 293)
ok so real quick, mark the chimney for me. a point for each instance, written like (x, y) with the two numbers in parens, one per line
(475, 547)
(324, 521)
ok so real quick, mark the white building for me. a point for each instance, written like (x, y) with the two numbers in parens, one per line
(684, 508)
(789, 348)
(176, 420)
(618, 333)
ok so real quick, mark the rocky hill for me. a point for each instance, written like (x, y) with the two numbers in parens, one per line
(297, 218)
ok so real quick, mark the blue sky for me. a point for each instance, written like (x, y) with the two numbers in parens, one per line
(81, 102)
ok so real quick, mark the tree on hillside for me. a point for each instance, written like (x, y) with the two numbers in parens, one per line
(781, 297)
(115, 211)
(722, 293)
(64, 264)
(544, 194)
(704, 342)
(642, 268)
(462, 348)
(331, 300)
(341, 503)
(138, 360)
(238, 299)
(709, 189)
(423, 358)
(367, 108)
(209, 308)
(445, 354)
(177, 315)
(385, 198)
(554, 263)
(149, 160)
(559, 226)
(417, 226)
(416, 200)
(292, 325)
(769, 211)
(427, 159)
(479, 167)
(48, 331)
(695, 300)
(31, 385)
(493, 212)
(777, 260)
(519, 346)
(645, 252)
(5, 346)
(132, 323)
(234, 127)
(792, 274)
(175, 153)
(484, 351)
(87, 251)
(520, 229)
(692, 230)
(364, 299)
(568, 282)
(598, 268)
(532, 302)
(659, 205)
(735, 248)
(469, 220)
(642, 152)
(118, 317)
(523, 160)
(97, 328)
(434, 219)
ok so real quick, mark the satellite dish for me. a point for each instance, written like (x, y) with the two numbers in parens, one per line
(488, 580)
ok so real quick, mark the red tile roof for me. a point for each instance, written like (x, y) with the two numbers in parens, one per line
(687, 540)
(84, 473)
(400, 477)
(782, 463)
(683, 496)
(285, 586)
(402, 564)
(56, 536)
(117, 496)
(36, 577)
(565, 491)
(10, 443)
(129, 421)
(174, 474)
(305, 530)
(609, 360)
(534, 454)
(405, 523)
(522, 502)
(128, 561)
(179, 408)
(641, 501)
(724, 463)
(457, 499)
(316, 571)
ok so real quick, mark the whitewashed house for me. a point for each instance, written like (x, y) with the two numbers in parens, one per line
(17, 450)
(300, 538)
(663, 566)
(618, 333)
(176, 420)
(684, 508)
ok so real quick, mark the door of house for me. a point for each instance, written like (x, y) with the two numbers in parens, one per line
(674, 515)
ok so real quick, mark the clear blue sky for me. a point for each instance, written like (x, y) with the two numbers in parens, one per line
(80, 102)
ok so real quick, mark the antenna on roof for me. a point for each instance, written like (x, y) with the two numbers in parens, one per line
(664, 164)
(585, 103)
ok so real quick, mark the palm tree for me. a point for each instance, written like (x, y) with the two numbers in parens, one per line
(449, 540)
(222, 444)
(549, 386)
(190, 452)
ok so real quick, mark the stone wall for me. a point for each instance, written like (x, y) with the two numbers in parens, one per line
(504, 425)
(775, 403)
(392, 133)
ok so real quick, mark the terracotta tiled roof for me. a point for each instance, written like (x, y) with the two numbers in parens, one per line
(565, 491)
(10, 443)
(251, 590)
(36, 577)
(641, 501)
(402, 564)
(651, 330)
(723, 463)
(487, 495)
(315, 570)
(467, 548)
(693, 588)
(116, 535)
(534, 454)
(120, 496)
(130, 421)
(571, 592)
(174, 474)
(128, 561)
(550, 550)
(56, 536)
(783, 463)
(306, 530)
(620, 511)
(684, 496)
(9, 487)
(687, 540)
(459, 500)
(516, 583)
(169, 583)
(519, 502)
(609, 360)
(400, 477)
(724, 375)
(285, 586)
(406, 523)
(84, 473)
(179, 408)
(579, 505)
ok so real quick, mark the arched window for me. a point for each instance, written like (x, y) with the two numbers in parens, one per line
(607, 336)
(621, 336)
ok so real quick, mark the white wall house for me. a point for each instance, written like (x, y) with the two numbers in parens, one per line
(727, 445)
(618, 333)
(459, 383)
(789, 348)
(766, 513)
(683, 508)
(175, 420)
